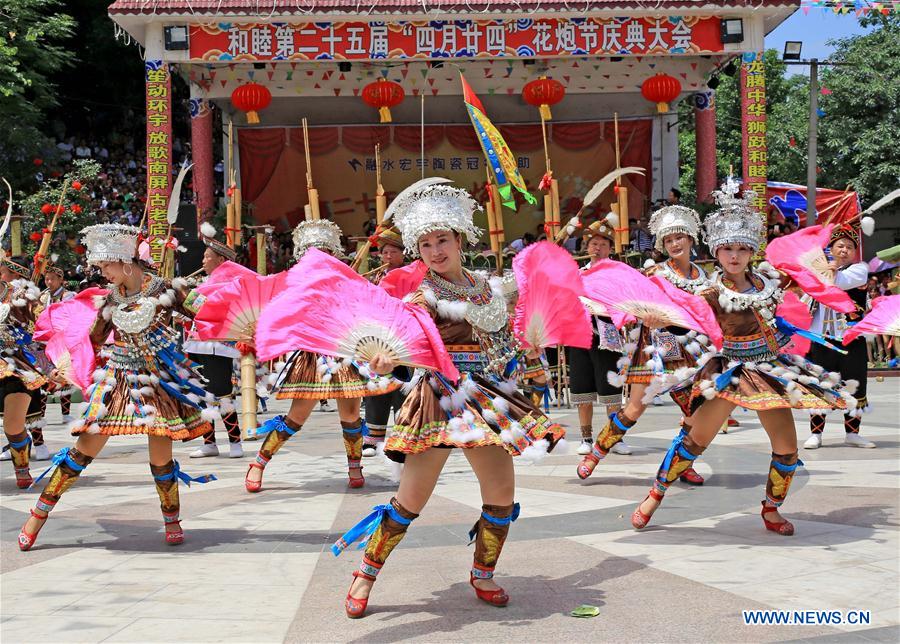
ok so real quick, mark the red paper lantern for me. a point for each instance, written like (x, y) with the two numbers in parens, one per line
(47, 208)
(35, 236)
(661, 89)
(383, 95)
(251, 98)
(542, 93)
(76, 185)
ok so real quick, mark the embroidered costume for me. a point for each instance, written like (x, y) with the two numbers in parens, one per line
(147, 386)
(20, 372)
(308, 376)
(750, 371)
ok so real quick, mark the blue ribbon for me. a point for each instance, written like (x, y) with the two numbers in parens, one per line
(362, 429)
(725, 379)
(363, 530)
(545, 395)
(275, 424)
(176, 473)
(62, 456)
(789, 329)
(495, 520)
(20, 444)
(787, 469)
(676, 447)
(614, 417)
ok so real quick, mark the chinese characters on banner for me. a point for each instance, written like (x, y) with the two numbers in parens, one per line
(753, 128)
(524, 38)
(159, 151)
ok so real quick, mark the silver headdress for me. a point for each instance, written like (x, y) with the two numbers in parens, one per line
(735, 222)
(434, 207)
(669, 220)
(317, 233)
(111, 243)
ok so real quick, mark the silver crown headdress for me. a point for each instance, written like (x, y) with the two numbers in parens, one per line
(111, 243)
(317, 233)
(670, 220)
(434, 207)
(735, 222)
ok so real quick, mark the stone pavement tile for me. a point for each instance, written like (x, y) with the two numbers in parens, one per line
(102, 599)
(210, 600)
(288, 570)
(200, 628)
(423, 595)
(860, 472)
(86, 564)
(62, 628)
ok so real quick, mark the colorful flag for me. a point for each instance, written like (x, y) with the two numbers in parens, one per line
(499, 156)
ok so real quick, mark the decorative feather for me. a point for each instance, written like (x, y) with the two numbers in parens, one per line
(65, 327)
(800, 256)
(9, 207)
(328, 308)
(883, 318)
(548, 311)
(617, 285)
(231, 312)
(888, 198)
(604, 183)
(175, 199)
(402, 281)
(409, 190)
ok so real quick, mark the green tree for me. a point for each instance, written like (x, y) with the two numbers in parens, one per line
(32, 50)
(859, 134)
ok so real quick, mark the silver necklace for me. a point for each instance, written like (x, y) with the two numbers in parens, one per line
(763, 301)
(685, 283)
(491, 316)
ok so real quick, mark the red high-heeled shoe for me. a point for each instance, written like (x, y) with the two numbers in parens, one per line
(785, 528)
(27, 540)
(174, 537)
(357, 482)
(356, 608)
(23, 478)
(586, 466)
(493, 597)
(254, 486)
(639, 520)
(691, 477)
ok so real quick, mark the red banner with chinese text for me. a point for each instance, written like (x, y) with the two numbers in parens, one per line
(753, 128)
(159, 150)
(343, 160)
(523, 38)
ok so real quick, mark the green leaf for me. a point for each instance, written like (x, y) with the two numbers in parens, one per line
(585, 610)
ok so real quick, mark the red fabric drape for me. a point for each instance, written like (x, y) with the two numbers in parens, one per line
(576, 136)
(362, 140)
(322, 140)
(260, 151)
(635, 148)
(462, 137)
(409, 137)
(522, 138)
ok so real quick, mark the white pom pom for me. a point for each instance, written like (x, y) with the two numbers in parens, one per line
(326, 378)
(561, 447)
(146, 391)
(489, 416)
(143, 378)
(868, 226)
(194, 398)
(207, 229)
(649, 263)
(210, 414)
(166, 300)
(506, 436)
(501, 405)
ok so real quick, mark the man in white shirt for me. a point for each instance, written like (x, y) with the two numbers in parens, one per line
(851, 276)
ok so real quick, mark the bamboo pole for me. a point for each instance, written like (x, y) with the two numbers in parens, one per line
(620, 208)
(15, 232)
(310, 187)
(380, 208)
(40, 258)
(248, 395)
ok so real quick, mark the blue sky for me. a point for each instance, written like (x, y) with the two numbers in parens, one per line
(814, 30)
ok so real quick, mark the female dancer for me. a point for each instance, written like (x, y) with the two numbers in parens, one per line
(146, 387)
(676, 229)
(20, 378)
(484, 414)
(750, 372)
(307, 378)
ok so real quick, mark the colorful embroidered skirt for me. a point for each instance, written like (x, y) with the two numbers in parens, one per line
(312, 377)
(670, 349)
(477, 413)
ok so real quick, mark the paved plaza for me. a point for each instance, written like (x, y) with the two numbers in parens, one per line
(257, 568)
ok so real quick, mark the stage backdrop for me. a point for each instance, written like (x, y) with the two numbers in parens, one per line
(273, 169)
